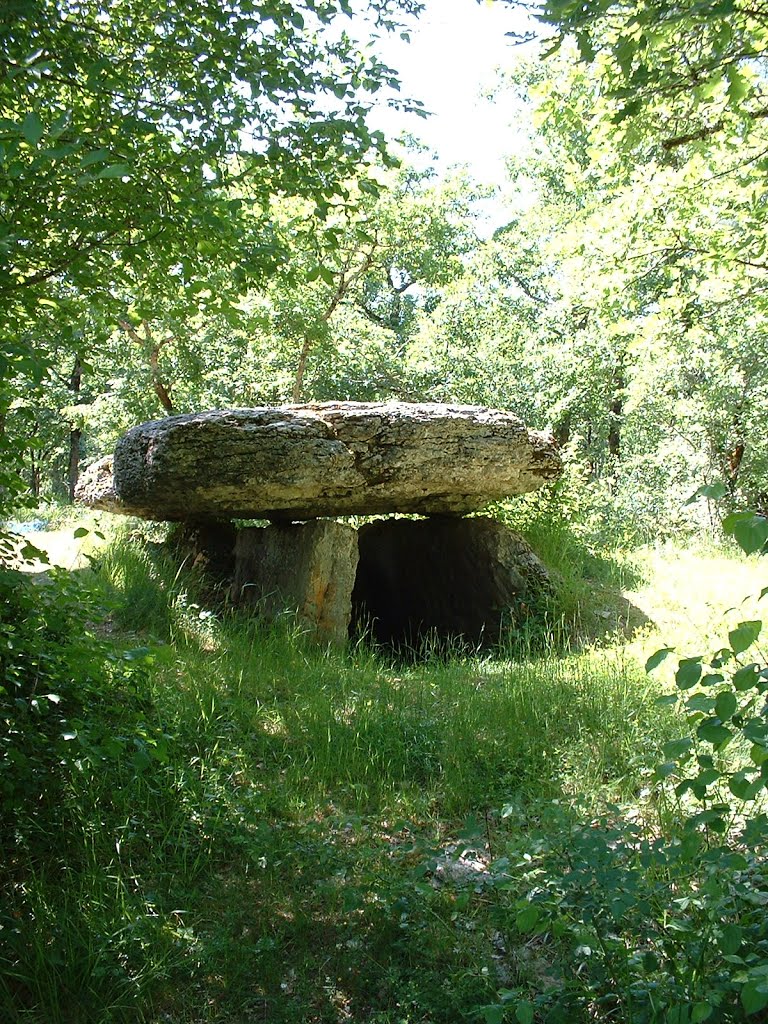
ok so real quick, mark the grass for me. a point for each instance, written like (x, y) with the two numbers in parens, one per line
(253, 829)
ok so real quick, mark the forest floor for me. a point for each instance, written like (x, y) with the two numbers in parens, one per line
(256, 830)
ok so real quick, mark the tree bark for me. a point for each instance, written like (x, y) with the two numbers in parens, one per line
(298, 384)
(75, 435)
(152, 349)
(35, 477)
(347, 278)
(616, 414)
(562, 429)
(157, 381)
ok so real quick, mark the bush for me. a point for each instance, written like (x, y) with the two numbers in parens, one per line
(660, 922)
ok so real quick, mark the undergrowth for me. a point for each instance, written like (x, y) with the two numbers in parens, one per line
(217, 822)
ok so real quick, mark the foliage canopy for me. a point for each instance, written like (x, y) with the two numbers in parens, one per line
(142, 144)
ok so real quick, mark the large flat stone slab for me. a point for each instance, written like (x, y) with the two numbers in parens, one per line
(300, 462)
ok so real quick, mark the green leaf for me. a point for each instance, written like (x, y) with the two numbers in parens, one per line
(746, 677)
(30, 553)
(650, 961)
(94, 157)
(627, 110)
(711, 491)
(745, 634)
(527, 918)
(753, 999)
(712, 679)
(32, 128)
(700, 702)
(80, 532)
(756, 729)
(707, 777)
(675, 749)
(740, 786)
(715, 733)
(114, 171)
(750, 531)
(677, 1015)
(524, 1012)
(493, 1014)
(701, 1012)
(725, 705)
(731, 939)
(656, 659)
(688, 673)
(738, 87)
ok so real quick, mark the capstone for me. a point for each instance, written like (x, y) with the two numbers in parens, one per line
(293, 463)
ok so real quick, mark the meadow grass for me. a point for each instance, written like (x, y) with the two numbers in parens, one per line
(264, 830)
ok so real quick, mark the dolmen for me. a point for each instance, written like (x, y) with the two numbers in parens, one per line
(297, 469)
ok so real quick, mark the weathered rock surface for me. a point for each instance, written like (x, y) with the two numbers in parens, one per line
(444, 578)
(307, 461)
(306, 568)
(401, 581)
(96, 486)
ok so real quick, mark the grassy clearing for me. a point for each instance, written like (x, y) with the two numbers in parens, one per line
(252, 829)
(58, 543)
(692, 596)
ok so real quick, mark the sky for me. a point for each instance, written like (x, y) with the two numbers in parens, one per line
(455, 47)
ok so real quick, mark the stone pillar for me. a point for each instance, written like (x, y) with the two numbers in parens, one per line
(307, 568)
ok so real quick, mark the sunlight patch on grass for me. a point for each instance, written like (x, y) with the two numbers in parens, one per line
(62, 548)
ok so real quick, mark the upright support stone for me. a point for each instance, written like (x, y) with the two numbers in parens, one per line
(306, 568)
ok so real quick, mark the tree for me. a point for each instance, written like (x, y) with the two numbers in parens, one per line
(696, 71)
(669, 101)
(377, 264)
(147, 139)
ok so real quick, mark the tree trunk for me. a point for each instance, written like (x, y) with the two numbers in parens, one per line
(734, 452)
(151, 349)
(157, 381)
(75, 435)
(615, 417)
(562, 429)
(348, 276)
(35, 478)
(735, 458)
(298, 384)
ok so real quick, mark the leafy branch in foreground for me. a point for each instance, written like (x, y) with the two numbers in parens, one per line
(696, 71)
(661, 923)
(650, 921)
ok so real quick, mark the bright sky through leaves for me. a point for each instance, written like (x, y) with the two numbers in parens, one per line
(455, 47)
